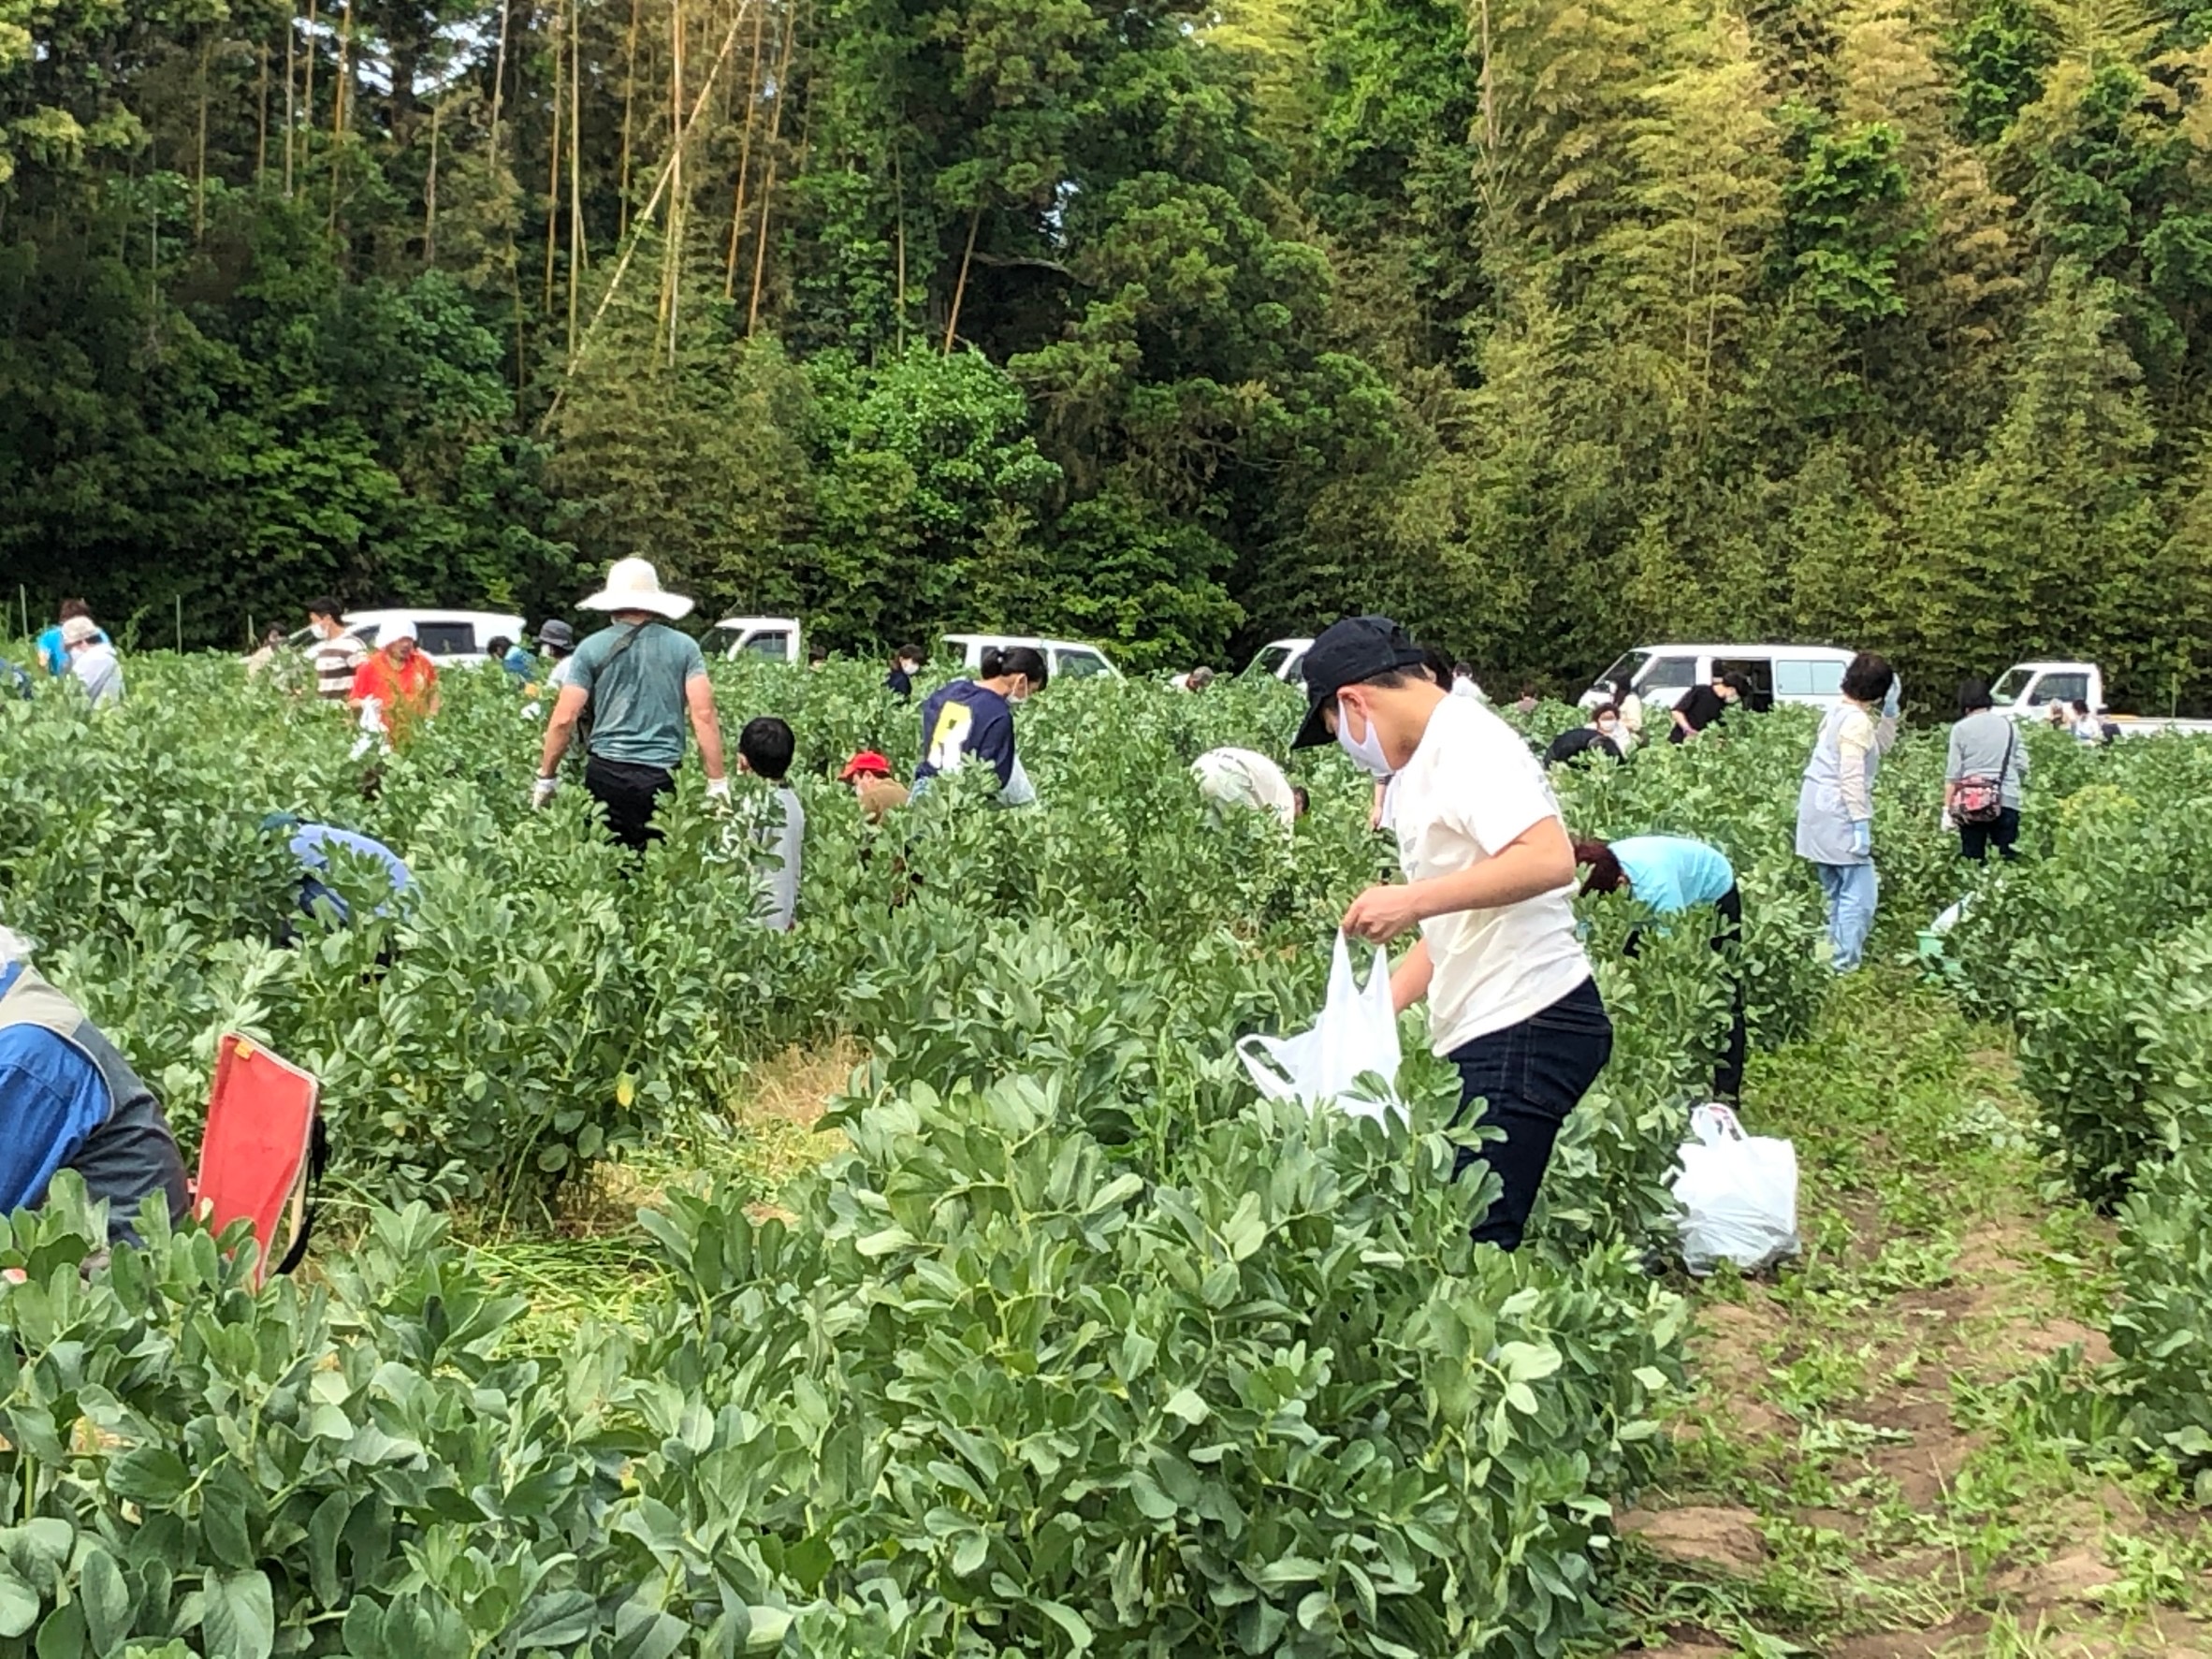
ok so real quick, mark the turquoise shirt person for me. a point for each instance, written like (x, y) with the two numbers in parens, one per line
(1672, 873)
(635, 673)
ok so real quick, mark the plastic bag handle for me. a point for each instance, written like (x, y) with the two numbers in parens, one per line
(1253, 1050)
(1713, 1123)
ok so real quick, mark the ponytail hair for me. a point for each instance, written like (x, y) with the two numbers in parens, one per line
(1025, 661)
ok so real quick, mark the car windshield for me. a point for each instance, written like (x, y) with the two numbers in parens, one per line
(775, 647)
(1082, 664)
(1271, 658)
(2008, 689)
(1627, 667)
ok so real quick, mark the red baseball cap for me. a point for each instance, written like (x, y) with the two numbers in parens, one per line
(867, 764)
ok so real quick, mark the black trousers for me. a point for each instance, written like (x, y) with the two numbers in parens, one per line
(1529, 1077)
(2003, 832)
(629, 794)
(1727, 1077)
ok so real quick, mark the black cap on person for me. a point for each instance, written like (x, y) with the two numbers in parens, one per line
(1357, 648)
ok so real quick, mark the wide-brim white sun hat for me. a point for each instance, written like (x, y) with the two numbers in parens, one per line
(635, 584)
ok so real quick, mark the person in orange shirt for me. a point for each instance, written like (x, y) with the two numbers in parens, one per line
(395, 688)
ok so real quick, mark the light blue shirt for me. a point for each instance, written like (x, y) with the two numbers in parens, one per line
(1673, 872)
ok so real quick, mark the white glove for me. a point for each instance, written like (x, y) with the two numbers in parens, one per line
(1949, 823)
(717, 788)
(542, 791)
(1897, 694)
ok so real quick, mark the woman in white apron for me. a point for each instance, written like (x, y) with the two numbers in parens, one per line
(1836, 804)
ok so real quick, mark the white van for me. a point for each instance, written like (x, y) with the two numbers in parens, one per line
(774, 639)
(448, 638)
(1062, 658)
(1778, 673)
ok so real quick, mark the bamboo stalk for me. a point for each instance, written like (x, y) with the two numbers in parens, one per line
(577, 255)
(553, 172)
(499, 84)
(430, 192)
(291, 84)
(628, 100)
(752, 105)
(261, 140)
(672, 248)
(338, 109)
(975, 221)
(760, 252)
(898, 207)
(199, 166)
(307, 111)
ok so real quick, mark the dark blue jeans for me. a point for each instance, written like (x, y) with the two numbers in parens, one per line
(1529, 1077)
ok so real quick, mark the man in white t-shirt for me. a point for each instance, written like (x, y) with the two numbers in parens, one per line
(1489, 874)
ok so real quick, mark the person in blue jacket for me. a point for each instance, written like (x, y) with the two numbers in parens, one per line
(69, 1100)
(1672, 874)
(972, 720)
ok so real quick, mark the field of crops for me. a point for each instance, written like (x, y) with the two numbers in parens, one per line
(1048, 1337)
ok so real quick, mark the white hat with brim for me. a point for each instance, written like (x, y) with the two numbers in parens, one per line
(395, 628)
(635, 584)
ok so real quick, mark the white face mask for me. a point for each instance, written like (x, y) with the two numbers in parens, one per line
(1366, 752)
(1608, 730)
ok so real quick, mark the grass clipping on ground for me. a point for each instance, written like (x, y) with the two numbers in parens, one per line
(596, 1264)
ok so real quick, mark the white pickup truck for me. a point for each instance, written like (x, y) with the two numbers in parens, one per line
(2026, 690)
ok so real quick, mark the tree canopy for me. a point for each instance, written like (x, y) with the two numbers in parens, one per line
(1549, 326)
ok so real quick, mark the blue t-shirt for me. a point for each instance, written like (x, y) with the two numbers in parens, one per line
(310, 845)
(53, 1099)
(517, 662)
(55, 655)
(964, 721)
(1673, 872)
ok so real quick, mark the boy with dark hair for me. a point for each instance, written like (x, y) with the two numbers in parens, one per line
(764, 749)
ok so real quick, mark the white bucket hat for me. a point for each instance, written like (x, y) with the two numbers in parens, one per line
(635, 584)
(396, 628)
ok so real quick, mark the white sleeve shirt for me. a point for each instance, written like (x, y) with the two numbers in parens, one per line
(1471, 790)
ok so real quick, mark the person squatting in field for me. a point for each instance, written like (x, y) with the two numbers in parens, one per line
(1490, 875)
(69, 1100)
(1836, 801)
(630, 687)
(1671, 873)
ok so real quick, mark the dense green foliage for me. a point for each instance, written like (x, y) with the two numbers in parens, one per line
(2101, 952)
(1076, 1345)
(1549, 326)
(1071, 1344)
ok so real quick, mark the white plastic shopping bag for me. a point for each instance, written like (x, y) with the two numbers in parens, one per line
(1357, 1032)
(1738, 1194)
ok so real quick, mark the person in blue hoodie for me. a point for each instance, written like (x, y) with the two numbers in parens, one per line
(972, 720)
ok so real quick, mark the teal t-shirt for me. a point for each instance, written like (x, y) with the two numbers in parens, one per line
(637, 708)
(1672, 872)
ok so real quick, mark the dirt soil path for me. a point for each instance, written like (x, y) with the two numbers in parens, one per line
(1874, 1463)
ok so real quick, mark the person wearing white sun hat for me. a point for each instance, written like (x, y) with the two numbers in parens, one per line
(631, 687)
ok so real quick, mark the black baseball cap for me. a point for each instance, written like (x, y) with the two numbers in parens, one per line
(1357, 648)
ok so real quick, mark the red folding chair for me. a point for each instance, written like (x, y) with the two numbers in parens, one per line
(263, 1149)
